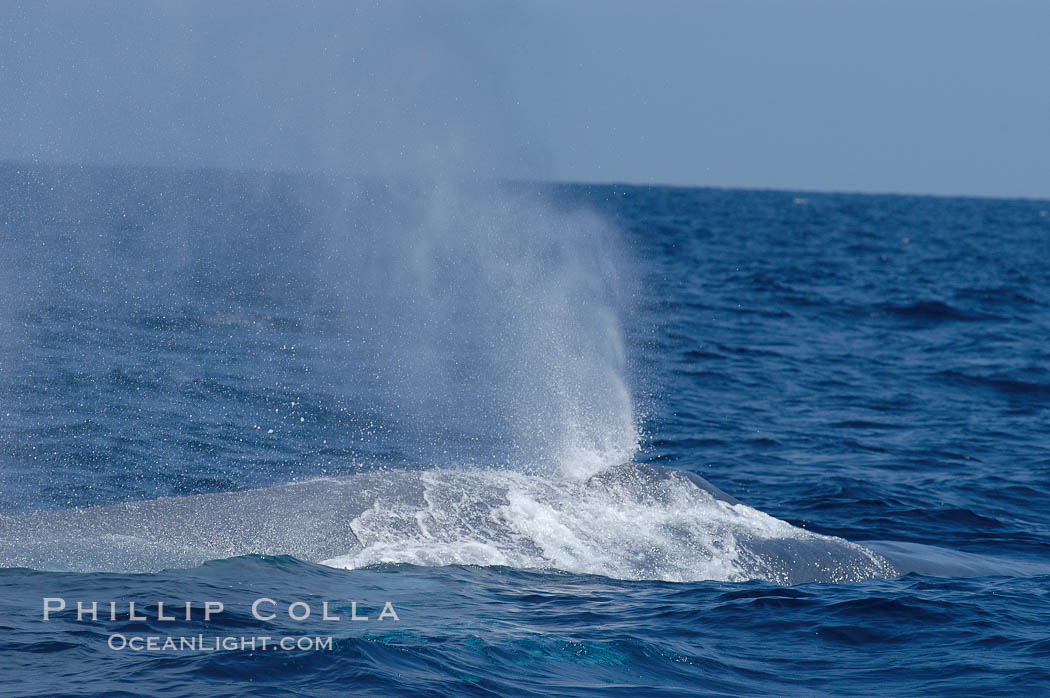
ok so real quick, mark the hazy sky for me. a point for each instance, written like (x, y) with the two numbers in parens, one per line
(925, 96)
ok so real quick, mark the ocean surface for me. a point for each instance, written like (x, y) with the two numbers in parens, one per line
(486, 407)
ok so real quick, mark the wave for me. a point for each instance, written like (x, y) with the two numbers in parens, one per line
(1003, 385)
(925, 313)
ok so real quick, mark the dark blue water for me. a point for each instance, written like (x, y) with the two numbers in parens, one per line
(868, 367)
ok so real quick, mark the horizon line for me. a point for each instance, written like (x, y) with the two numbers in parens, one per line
(186, 167)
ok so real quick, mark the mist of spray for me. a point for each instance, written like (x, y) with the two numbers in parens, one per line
(482, 316)
(486, 317)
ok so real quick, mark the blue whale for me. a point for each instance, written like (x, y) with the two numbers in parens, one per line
(632, 521)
